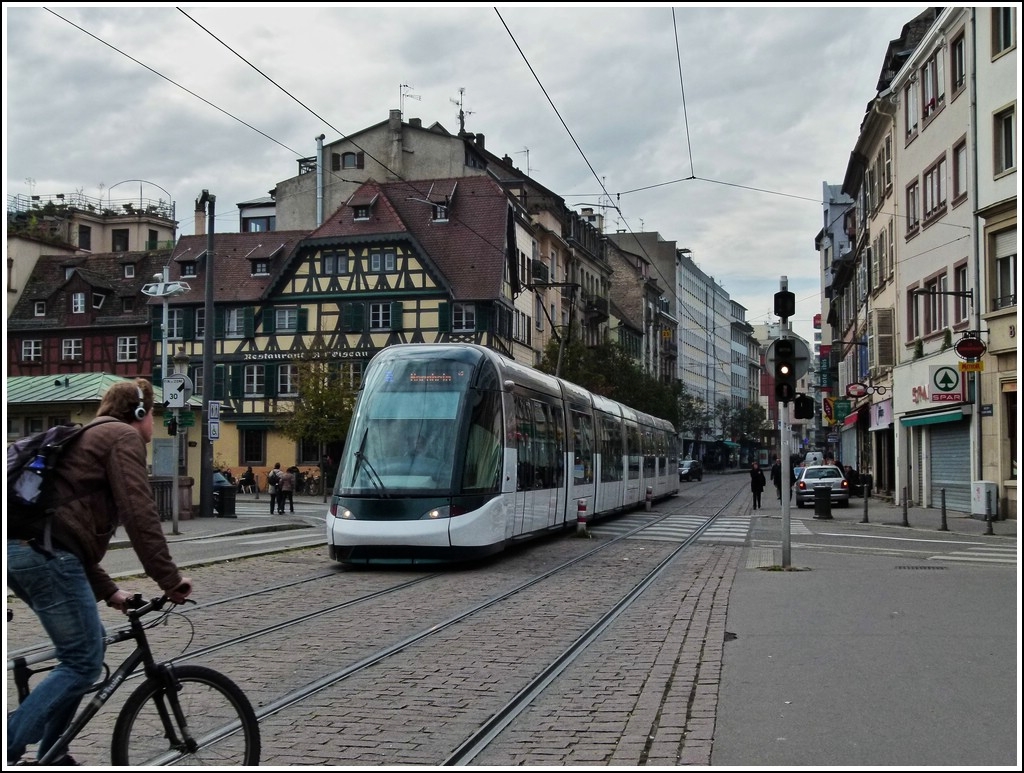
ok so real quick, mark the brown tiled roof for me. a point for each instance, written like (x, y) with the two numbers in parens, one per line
(232, 267)
(469, 249)
(102, 271)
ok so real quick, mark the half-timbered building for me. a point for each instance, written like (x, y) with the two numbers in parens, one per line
(399, 262)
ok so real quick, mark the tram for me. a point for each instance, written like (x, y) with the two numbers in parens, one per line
(455, 453)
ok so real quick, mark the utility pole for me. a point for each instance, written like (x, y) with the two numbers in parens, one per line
(206, 455)
(785, 380)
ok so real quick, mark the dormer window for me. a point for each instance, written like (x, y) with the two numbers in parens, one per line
(129, 270)
(439, 212)
(361, 212)
(39, 308)
(260, 267)
(97, 300)
(188, 268)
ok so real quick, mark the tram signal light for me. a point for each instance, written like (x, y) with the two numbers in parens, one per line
(803, 407)
(785, 370)
(172, 427)
(785, 304)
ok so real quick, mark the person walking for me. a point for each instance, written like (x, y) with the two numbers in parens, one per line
(757, 483)
(287, 490)
(101, 483)
(274, 486)
(776, 476)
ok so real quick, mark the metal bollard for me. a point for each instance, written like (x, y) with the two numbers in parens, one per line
(942, 494)
(905, 521)
(864, 494)
(581, 518)
(649, 498)
(988, 513)
(256, 484)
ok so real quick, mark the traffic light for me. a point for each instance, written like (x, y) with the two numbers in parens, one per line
(172, 426)
(803, 407)
(785, 370)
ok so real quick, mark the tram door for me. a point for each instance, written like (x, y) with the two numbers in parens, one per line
(540, 465)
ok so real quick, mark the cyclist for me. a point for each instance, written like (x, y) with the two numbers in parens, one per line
(102, 482)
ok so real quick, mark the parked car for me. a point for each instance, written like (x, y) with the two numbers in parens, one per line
(690, 469)
(822, 475)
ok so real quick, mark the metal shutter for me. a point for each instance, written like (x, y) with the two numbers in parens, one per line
(949, 447)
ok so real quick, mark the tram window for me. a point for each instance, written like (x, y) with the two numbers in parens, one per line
(484, 449)
(633, 449)
(583, 448)
(611, 450)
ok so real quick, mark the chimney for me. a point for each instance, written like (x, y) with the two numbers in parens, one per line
(480, 140)
(200, 219)
(417, 122)
(395, 120)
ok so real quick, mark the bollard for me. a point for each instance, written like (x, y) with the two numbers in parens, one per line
(864, 494)
(256, 484)
(905, 521)
(988, 513)
(581, 518)
(823, 502)
(649, 498)
(942, 494)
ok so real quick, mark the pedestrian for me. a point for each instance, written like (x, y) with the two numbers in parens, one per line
(776, 476)
(757, 484)
(288, 479)
(274, 486)
(54, 565)
(247, 481)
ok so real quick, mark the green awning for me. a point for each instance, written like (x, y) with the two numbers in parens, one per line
(932, 418)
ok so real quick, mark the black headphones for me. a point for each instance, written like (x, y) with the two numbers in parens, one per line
(140, 411)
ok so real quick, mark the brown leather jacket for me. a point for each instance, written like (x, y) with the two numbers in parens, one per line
(103, 483)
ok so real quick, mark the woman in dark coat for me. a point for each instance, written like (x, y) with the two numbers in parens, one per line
(757, 483)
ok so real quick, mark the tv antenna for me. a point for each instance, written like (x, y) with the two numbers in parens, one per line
(462, 113)
(403, 95)
(527, 152)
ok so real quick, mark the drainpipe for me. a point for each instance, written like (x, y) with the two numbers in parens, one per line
(320, 180)
(979, 240)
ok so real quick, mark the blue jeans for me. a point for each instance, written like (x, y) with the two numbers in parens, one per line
(57, 590)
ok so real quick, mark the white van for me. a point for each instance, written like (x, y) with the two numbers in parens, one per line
(814, 457)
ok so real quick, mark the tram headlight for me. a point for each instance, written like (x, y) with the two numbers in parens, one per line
(436, 513)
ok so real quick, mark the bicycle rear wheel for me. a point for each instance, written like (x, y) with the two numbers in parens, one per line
(220, 726)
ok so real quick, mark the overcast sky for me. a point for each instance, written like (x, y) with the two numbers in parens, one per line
(714, 126)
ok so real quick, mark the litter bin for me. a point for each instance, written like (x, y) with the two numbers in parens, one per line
(224, 501)
(823, 502)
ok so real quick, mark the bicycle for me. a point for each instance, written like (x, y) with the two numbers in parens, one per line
(312, 486)
(180, 714)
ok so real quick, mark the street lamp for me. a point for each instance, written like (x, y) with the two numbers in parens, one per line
(161, 287)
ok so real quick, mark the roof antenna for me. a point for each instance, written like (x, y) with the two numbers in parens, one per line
(462, 113)
(402, 95)
(527, 152)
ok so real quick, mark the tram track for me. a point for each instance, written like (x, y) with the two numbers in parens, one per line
(419, 643)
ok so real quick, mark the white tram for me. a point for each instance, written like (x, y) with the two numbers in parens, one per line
(455, 452)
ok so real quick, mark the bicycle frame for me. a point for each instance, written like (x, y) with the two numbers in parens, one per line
(105, 688)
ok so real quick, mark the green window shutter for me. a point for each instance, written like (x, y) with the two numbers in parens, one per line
(444, 317)
(236, 385)
(354, 318)
(270, 379)
(218, 323)
(269, 320)
(158, 376)
(248, 323)
(396, 315)
(303, 320)
(156, 315)
(483, 318)
(219, 382)
(189, 324)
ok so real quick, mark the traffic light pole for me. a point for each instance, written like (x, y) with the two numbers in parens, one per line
(784, 359)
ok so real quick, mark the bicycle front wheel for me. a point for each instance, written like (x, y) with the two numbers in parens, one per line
(206, 721)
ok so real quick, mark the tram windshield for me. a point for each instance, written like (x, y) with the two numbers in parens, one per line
(406, 424)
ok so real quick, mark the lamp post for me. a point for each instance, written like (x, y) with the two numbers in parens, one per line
(161, 287)
(180, 367)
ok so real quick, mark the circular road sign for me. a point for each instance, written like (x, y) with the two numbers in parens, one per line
(969, 348)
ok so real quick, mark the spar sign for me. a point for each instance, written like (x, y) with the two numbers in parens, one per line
(946, 383)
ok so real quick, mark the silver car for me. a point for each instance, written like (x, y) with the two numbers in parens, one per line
(822, 475)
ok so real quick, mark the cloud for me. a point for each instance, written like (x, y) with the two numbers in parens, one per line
(593, 99)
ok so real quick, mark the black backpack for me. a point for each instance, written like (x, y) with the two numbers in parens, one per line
(30, 465)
